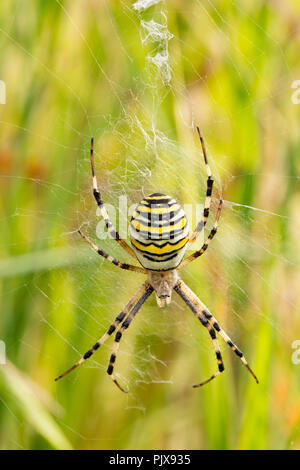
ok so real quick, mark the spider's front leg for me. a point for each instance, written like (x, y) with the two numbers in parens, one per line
(148, 291)
(114, 234)
(133, 302)
(187, 299)
(207, 319)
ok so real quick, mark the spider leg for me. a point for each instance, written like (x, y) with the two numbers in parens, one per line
(120, 332)
(209, 186)
(183, 289)
(132, 302)
(113, 260)
(204, 247)
(114, 234)
(207, 325)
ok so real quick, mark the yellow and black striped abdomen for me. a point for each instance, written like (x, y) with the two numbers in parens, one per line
(159, 232)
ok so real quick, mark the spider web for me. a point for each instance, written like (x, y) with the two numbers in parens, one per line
(137, 153)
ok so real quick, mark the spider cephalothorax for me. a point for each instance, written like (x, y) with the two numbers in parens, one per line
(163, 283)
(159, 237)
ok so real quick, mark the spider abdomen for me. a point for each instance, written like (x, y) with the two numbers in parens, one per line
(159, 232)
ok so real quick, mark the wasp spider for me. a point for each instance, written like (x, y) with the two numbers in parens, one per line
(159, 236)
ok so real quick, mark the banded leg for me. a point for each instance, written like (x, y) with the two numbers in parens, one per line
(204, 247)
(111, 329)
(114, 234)
(113, 260)
(210, 329)
(209, 186)
(120, 332)
(213, 322)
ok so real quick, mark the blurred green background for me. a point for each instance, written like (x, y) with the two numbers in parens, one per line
(139, 80)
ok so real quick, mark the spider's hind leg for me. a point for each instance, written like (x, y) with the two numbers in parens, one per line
(97, 195)
(207, 202)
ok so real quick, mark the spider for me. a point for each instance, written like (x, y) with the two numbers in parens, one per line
(159, 236)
